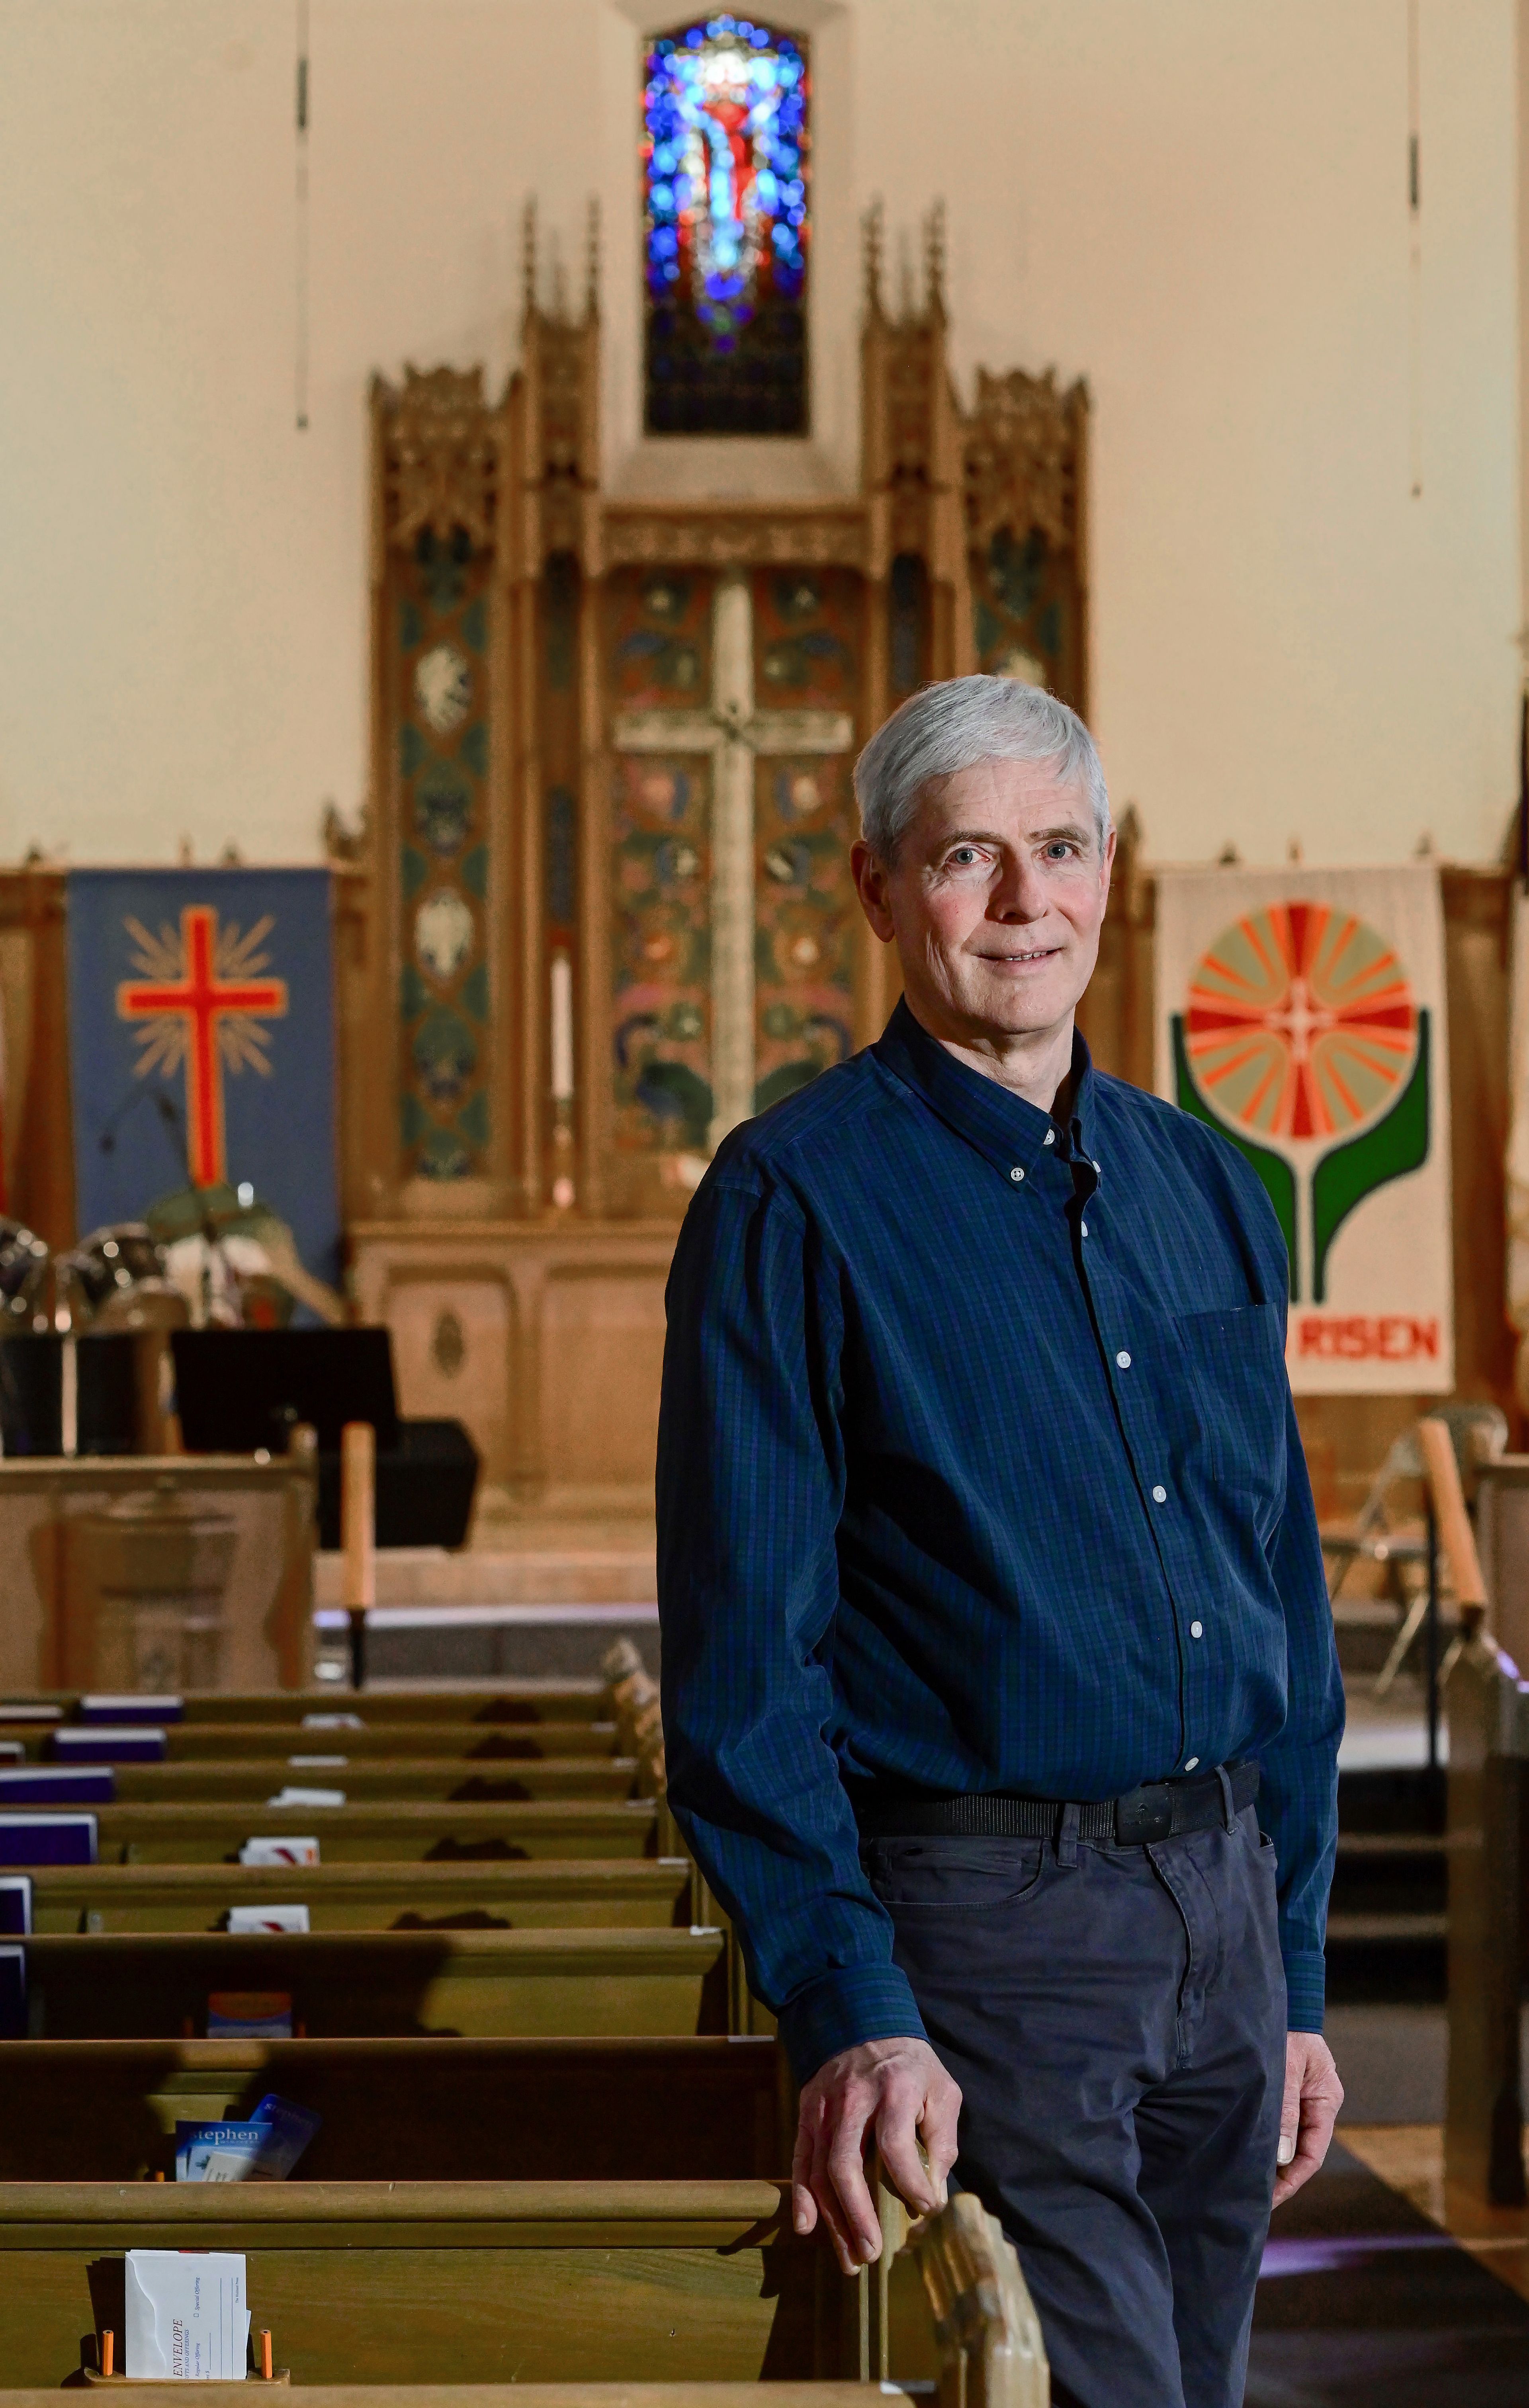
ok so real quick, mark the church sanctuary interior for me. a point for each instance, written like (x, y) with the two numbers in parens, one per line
(473, 474)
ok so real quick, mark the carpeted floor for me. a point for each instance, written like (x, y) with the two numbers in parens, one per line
(1365, 2303)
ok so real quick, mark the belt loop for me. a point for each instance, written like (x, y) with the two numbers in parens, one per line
(1228, 1804)
(1067, 1837)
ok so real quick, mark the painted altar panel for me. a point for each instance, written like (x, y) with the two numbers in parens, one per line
(660, 658)
(808, 641)
(441, 620)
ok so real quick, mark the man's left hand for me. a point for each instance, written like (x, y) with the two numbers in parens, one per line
(1313, 2095)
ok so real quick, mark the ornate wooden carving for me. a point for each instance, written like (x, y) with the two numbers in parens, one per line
(1024, 446)
(770, 536)
(440, 455)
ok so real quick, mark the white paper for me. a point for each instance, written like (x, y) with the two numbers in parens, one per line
(291, 1796)
(279, 1852)
(316, 1763)
(187, 2320)
(332, 1722)
(268, 1918)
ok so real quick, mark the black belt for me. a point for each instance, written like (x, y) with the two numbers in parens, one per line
(1157, 1810)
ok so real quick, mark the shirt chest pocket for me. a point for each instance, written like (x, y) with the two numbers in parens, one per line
(1235, 1365)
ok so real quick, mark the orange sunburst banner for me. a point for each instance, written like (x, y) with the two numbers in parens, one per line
(1301, 1015)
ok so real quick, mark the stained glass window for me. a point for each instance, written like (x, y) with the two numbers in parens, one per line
(725, 169)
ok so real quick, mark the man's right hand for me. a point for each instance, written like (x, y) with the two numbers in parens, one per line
(897, 2089)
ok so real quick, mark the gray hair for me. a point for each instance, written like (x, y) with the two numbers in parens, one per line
(953, 725)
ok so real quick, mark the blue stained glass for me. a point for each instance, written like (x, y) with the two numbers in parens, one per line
(725, 115)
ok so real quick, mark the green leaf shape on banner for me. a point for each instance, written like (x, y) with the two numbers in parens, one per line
(1278, 1177)
(1395, 1145)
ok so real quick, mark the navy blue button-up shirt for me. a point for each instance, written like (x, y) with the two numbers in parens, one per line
(977, 1471)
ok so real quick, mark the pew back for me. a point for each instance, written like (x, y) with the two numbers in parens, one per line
(621, 2110)
(490, 2282)
(408, 1831)
(593, 1892)
(484, 1984)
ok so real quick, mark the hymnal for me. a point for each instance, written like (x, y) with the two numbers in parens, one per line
(46, 1838)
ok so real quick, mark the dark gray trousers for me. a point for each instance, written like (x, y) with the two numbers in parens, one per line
(1116, 2019)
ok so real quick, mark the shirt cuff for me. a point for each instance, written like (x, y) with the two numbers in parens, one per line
(1306, 1990)
(844, 2008)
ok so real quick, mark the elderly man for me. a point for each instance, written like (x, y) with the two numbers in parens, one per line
(993, 1612)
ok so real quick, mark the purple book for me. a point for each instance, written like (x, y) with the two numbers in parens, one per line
(46, 1838)
(15, 1905)
(130, 1708)
(56, 1784)
(108, 1743)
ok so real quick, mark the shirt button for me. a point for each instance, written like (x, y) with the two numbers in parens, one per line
(1189, 1763)
(1123, 1359)
(1197, 1630)
(1100, 1167)
(1083, 1226)
(1016, 1174)
(1050, 1138)
(1160, 1497)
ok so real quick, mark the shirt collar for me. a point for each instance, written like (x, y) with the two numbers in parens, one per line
(1008, 1131)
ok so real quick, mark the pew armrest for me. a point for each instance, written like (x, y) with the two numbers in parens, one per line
(991, 2353)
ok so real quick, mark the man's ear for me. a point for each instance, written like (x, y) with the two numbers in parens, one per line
(870, 876)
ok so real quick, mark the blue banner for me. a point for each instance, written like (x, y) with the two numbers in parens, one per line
(201, 1044)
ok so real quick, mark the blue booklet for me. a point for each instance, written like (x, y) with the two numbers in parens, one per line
(57, 1785)
(264, 2149)
(15, 1904)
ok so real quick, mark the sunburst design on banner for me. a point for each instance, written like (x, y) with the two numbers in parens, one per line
(1301, 1023)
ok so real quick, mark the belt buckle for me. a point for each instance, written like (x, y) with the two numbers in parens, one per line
(1144, 1814)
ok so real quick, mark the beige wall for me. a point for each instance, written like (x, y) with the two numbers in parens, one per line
(1202, 207)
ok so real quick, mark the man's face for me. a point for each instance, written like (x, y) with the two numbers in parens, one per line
(994, 901)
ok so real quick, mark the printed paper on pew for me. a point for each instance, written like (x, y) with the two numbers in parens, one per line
(268, 1918)
(290, 1796)
(186, 2318)
(316, 1763)
(264, 2149)
(248, 2014)
(279, 1852)
(332, 1722)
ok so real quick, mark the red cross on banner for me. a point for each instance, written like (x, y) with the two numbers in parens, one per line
(203, 1012)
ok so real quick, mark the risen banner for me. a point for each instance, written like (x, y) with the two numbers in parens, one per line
(1301, 1014)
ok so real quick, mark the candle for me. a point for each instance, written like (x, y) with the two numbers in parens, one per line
(562, 1029)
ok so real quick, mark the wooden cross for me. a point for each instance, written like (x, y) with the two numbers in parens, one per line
(735, 734)
(202, 1000)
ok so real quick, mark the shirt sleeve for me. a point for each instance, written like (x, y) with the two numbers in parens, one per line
(750, 1489)
(1298, 1797)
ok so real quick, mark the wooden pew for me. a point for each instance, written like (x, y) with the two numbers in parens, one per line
(484, 1984)
(433, 1777)
(607, 2110)
(492, 2282)
(691, 2281)
(1488, 1858)
(404, 1831)
(512, 2394)
(458, 1741)
(592, 1891)
(484, 1702)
